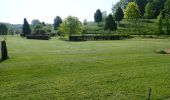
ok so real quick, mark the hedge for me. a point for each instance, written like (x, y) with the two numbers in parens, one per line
(101, 37)
(39, 37)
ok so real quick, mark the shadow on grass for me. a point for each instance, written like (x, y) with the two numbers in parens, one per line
(1, 61)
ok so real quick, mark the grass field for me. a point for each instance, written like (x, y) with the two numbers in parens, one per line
(106, 70)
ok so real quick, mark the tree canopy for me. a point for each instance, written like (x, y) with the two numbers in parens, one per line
(3, 29)
(98, 16)
(35, 22)
(70, 26)
(26, 28)
(132, 11)
(57, 22)
(167, 8)
(119, 14)
(159, 21)
(110, 23)
(141, 4)
(149, 10)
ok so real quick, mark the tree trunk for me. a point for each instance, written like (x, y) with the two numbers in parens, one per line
(4, 51)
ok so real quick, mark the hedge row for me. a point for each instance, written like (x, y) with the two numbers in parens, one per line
(93, 37)
(39, 37)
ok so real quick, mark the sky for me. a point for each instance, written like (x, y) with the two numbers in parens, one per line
(14, 11)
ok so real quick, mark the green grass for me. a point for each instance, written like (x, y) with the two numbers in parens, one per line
(55, 69)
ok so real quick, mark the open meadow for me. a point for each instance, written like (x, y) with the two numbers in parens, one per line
(109, 70)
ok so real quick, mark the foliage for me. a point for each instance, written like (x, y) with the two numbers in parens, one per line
(11, 31)
(158, 6)
(98, 37)
(57, 22)
(158, 24)
(149, 10)
(26, 28)
(3, 29)
(39, 37)
(98, 16)
(85, 21)
(41, 29)
(141, 4)
(122, 4)
(167, 25)
(110, 24)
(119, 14)
(104, 15)
(167, 8)
(132, 11)
(35, 22)
(70, 26)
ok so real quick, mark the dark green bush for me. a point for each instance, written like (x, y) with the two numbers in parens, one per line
(98, 37)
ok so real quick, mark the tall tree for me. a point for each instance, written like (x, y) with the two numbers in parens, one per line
(119, 14)
(26, 28)
(104, 15)
(98, 16)
(149, 10)
(141, 4)
(132, 11)
(70, 26)
(167, 16)
(158, 6)
(159, 26)
(35, 22)
(133, 14)
(167, 8)
(110, 23)
(85, 21)
(3, 29)
(57, 22)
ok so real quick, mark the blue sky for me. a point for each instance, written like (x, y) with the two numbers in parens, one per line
(14, 11)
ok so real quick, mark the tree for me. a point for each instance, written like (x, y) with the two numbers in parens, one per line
(26, 28)
(167, 25)
(141, 4)
(35, 22)
(133, 14)
(110, 23)
(158, 6)
(104, 15)
(57, 22)
(98, 16)
(3, 29)
(167, 16)
(119, 14)
(70, 26)
(41, 29)
(167, 8)
(149, 10)
(85, 21)
(11, 31)
(158, 29)
(122, 4)
(132, 11)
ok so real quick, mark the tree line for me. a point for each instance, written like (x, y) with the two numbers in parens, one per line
(132, 10)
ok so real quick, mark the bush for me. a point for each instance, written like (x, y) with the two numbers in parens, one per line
(39, 37)
(100, 37)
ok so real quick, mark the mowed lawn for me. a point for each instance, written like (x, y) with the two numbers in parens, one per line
(104, 70)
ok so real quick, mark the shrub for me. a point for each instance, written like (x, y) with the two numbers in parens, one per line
(99, 37)
(39, 37)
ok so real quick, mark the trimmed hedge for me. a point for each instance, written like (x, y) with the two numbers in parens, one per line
(39, 37)
(92, 37)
